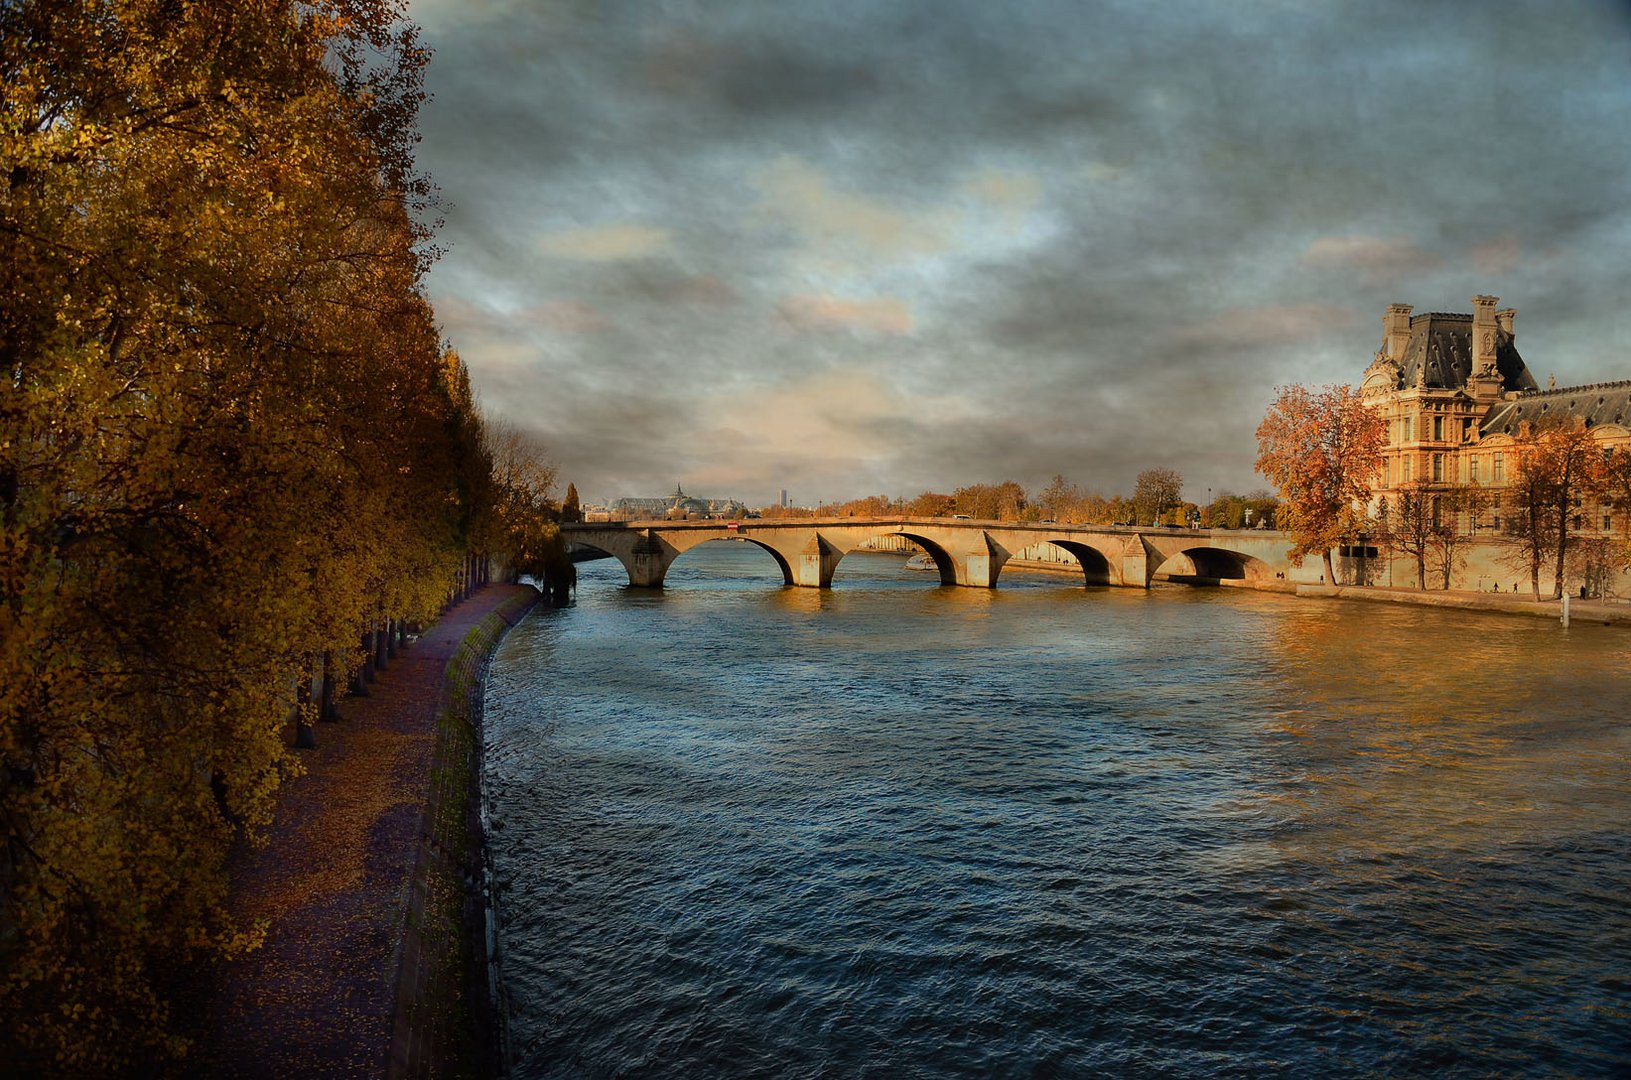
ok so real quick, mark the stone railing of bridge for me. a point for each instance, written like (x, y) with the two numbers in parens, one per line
(966, 552)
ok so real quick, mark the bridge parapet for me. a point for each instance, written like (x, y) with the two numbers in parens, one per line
(967, 553)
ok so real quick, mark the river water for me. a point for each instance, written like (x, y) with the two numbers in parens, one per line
(895, 829)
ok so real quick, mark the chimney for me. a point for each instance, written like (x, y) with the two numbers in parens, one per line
(1483, 332)
(1504, 317)
(1396, 325)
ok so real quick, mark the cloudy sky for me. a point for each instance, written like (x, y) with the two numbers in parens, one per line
(866, 247)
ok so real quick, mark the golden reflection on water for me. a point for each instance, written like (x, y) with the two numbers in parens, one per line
(1408, 729)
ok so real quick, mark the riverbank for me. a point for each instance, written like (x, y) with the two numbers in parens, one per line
(1580, 611)
(370, 885)
(1594, 612)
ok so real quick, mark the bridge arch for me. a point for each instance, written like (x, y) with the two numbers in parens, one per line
(578, 547)
(781, 560)
(1095, 564)
(1204, 565)
(943, 561)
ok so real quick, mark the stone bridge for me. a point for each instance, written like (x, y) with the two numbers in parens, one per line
(966, 552)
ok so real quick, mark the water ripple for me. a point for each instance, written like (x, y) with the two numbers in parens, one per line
(898, 830)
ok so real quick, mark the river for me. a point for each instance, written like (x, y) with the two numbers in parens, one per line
(895, 829)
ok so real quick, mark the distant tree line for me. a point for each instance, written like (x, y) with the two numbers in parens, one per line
(232, 450)
(1156, 500)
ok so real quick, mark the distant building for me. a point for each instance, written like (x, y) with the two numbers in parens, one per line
(782, 499)
(677, 505)
(1454, 392)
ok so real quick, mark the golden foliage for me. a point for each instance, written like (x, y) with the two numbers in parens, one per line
(1320, 450)
(229, 441)
(1560, 466)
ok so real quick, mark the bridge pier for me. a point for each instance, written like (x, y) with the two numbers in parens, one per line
(649, 561)
(814, 564)
(1136, 570)
(980, 568)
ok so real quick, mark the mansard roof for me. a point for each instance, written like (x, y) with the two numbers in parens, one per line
(1596, 403)
(1439, 354)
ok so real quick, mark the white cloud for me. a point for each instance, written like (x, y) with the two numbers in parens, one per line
(1014, 191)
(882, 314)
(1375, 255)
(607, 243)
(802, 197)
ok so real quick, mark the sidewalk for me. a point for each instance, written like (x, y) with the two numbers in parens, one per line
(318, 999)
(1522, 603)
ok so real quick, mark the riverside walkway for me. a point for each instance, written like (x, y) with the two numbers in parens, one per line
(1608, 613)
(354, 979)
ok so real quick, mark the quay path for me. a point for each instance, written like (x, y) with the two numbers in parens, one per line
(1607, 613)
(353, 980)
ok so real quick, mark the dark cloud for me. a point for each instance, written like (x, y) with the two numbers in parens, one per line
(1027, 238)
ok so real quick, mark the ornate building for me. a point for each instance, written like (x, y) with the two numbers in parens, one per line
(1454, 392)
(678, 505)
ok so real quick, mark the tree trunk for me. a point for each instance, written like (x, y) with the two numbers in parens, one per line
(1421, 571)
(359, 685)
(328, 711)
(390, 638)
(304, 737)
(1330, 571)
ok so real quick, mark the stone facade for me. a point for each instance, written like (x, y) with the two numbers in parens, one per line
(1454, 392)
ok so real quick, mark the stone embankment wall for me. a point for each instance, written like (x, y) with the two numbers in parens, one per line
(445, 1024)
(1483, 566)
(1488, 567)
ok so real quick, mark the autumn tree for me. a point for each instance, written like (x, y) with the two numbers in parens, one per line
(1616, 485)
(571, 510)
(775, 511)
(1320, 450)
(990, 502)
(522, 512)
(1094, 509)
(930, 504)
(1155, 492)
(230, 447)
(1559, 468)
(1059, 500)
(1448, 541)
(1231, 511)
(868, 506)
(1407, 522)
(1595, 562)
